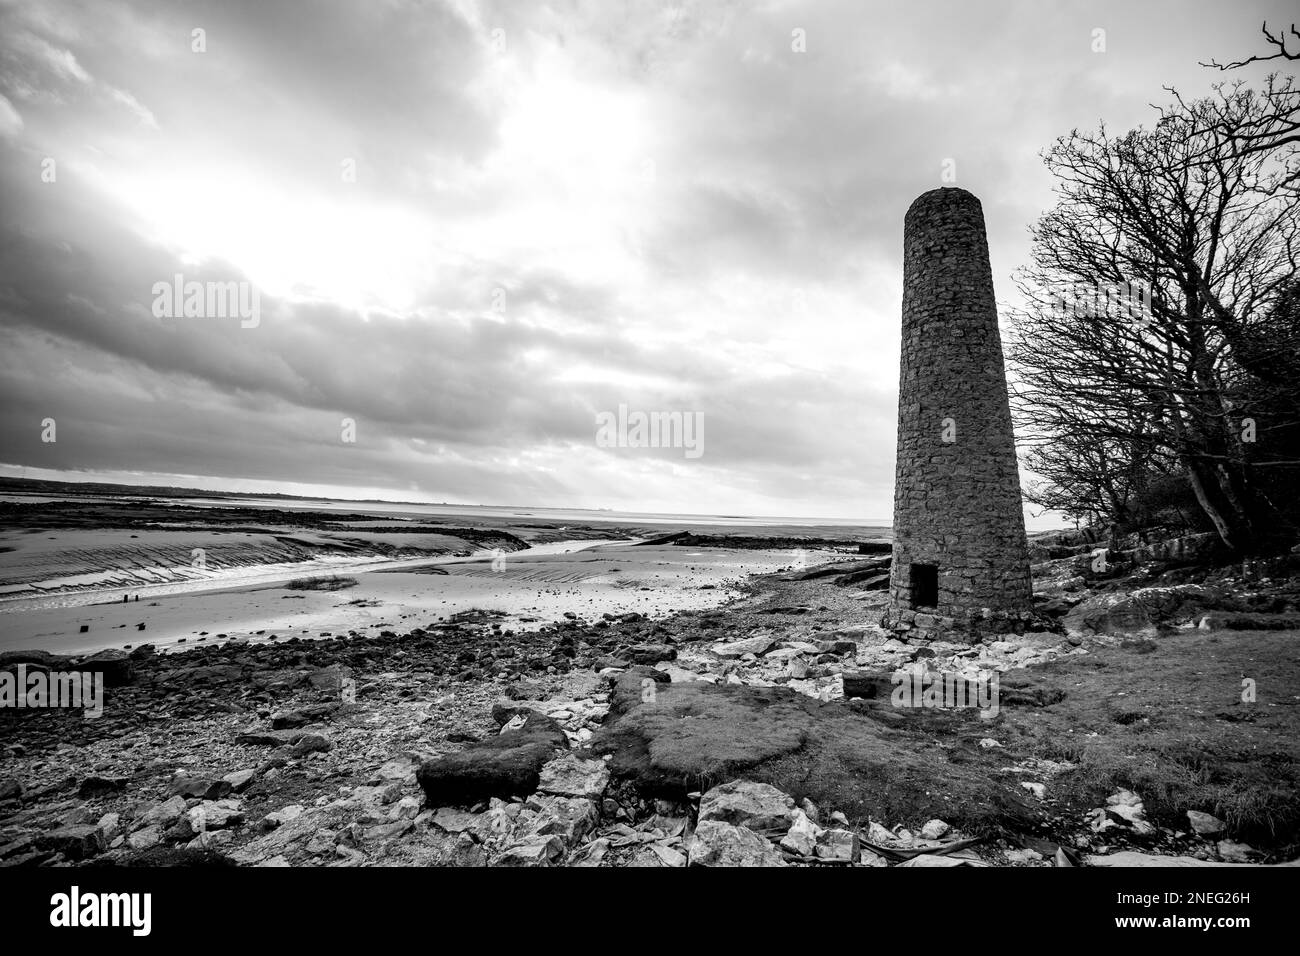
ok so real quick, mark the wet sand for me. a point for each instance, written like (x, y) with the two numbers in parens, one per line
(528, 589)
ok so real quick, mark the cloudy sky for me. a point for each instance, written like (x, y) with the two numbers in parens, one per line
(475, 226)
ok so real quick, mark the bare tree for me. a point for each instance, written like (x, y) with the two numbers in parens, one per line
(1275, 129)
(1202, 246)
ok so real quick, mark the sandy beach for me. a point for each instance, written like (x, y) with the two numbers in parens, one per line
(535, 586)
(196, 571)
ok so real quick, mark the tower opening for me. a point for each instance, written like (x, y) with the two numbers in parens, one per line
(925, 585)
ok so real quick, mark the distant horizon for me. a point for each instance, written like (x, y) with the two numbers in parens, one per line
(1033, 523)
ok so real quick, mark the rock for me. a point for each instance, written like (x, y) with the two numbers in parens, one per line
(867, 685)
(1124, 806)
(145, 838)
(34, 658)
(526, 690)
(651, 653)
(117, 666)
(837, 647)
(270, 738)
(1039, 790)
(400, 768)
(668, 855)
(934, 830)
(240, 780)
(1133, 858)
(109, 825)
(878, 835)
(282, 816)
(211, 839)
(100, 786)
(215, 815)
(165, 814)
(568, 818)
(752, 645)
(10, 788)
(721, 844)
(1139, 612)
(1026, 855)
(78, 842)
(1205, 825)
(757, 806)
(1237, 852)
(838, 846)
(329, 679)
(569, 775)
(303, 716)
(591, 854)
(453, 820)
(203, 788)
(311, 743)
(802, 836)
(508, 764)
(988, 742)
(539, 851)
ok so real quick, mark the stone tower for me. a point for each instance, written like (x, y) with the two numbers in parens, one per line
(959, 532)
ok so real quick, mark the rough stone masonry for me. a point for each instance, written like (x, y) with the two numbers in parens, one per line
(960, 555)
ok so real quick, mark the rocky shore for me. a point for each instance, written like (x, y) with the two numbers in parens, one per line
(765, 732)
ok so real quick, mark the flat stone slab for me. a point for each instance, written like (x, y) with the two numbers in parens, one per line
(506, 765)
(570, 775)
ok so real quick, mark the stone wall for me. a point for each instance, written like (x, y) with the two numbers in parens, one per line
(957, 499)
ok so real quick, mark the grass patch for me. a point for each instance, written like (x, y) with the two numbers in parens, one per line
(1165, 719)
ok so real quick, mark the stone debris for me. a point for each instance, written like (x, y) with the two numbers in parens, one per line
(716, 843)
(757, 806)
(439, 759)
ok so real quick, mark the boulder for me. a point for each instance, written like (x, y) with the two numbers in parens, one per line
(650, 653)
(216, 815)
(838, 846)
(77, 842)
(934, 830)
(802, 836)
(758, 806)
(311, 743)
(750, 645)
(166, 813)
(34, 659)
(145, 838)
(867, 685)
(117, 666)
(1204, 824)
(100, 786)
(508, 764)
(203, 788)
(721, 844)
(240, 780)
